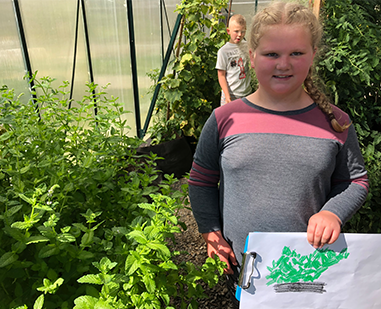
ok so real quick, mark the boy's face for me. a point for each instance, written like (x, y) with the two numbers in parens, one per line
(236, 32)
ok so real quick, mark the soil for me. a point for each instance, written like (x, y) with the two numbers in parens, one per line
(192, 242)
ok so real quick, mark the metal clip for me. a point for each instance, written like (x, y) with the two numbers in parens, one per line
(245, 261)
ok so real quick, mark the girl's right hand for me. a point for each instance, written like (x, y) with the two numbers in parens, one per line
(216, 244)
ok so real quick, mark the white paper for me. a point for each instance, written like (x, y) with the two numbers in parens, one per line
(349, 279)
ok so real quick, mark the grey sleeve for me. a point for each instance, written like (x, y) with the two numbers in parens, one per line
(349, 181)
(204, 179)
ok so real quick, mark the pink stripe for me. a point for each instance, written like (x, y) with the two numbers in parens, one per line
(204, 170)
(200, 184)
(245, 119)
(200, 176)
(362, 181)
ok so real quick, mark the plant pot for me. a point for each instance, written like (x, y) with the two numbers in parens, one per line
(177, 154)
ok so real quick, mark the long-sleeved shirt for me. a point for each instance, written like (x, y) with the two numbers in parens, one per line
(260, 170)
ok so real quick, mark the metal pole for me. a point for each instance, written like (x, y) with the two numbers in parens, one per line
(161, 30)
(162, 71)
(74, 53)
(87, 41)
(24, 49)
(133, 67)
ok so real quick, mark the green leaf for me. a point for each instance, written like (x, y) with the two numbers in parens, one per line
(87, 238)
(36, 239)
(186, 57)
(5, 136)
(132, 263)
(91, 279)
(85, 302)
(163, 249)
(173, 95)
(48, 251)
(8, 258)
(43, 207)
(84, 255)
(168, 265)
(39, 303)
(149, 284)
(138, 236)
(101, 304)
(15, 233)
(25, 169)
(88, 161)
(27, 199)
(66, 237)
(11, 211)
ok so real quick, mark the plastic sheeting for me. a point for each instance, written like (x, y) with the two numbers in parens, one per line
(50, 32)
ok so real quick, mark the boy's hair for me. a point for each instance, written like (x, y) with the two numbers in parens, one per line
(238, 18)
(292, 13)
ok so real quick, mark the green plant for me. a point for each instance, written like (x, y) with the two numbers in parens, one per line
(73, 195)
(350, 67)
(191, 91)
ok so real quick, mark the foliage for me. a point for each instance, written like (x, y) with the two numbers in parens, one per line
(351, 70)
(189, 94)
(84, 220)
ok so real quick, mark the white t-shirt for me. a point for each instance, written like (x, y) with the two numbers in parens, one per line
(234, 59)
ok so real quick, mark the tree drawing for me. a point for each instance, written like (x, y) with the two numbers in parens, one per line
(296, 273)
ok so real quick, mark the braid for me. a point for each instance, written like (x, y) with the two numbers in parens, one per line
(323, 103)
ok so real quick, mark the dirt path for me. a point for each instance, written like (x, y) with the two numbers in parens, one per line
(192, 242)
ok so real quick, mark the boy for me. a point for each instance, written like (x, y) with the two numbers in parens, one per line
(233, 63)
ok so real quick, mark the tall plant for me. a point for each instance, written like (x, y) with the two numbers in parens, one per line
(351, 69)
(84, 221)
(190, 92)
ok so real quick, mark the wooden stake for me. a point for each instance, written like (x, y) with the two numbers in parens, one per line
(315, 4)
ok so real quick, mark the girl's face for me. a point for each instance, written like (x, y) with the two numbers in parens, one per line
(282, 59)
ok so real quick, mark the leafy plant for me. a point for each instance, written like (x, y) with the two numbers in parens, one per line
(76, 198)
(191, 91)
(350, 67)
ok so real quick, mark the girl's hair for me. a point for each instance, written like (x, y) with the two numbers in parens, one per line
(291, 13)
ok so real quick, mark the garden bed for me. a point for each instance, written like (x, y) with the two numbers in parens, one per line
(192, 242)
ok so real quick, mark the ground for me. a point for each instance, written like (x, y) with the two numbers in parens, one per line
(192, 242)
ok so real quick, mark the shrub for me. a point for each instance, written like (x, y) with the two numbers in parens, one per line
(189, 94)
(85, 220)
(351, 69)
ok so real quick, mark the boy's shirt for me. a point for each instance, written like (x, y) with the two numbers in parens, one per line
(234, 59)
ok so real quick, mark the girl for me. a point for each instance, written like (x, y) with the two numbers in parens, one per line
(283, 159)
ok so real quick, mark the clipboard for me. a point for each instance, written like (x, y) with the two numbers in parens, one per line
(287, 272)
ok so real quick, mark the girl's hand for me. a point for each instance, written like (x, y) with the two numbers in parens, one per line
(216, 244)
(323, 228)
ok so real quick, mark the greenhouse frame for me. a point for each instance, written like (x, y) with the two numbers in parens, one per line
(102, 41)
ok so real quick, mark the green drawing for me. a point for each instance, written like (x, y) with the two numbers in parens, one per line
(295, 268)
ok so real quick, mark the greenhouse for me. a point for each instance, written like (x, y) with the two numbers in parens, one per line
(102, 106)
(107, 42)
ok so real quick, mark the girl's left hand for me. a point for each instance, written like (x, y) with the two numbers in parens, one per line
(323, 228)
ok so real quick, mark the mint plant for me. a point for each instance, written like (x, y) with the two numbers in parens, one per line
(77, 205)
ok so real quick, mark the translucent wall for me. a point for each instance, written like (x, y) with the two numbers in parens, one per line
(57, 48)
(11, 61)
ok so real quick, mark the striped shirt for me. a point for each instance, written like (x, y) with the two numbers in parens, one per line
(260, 170)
